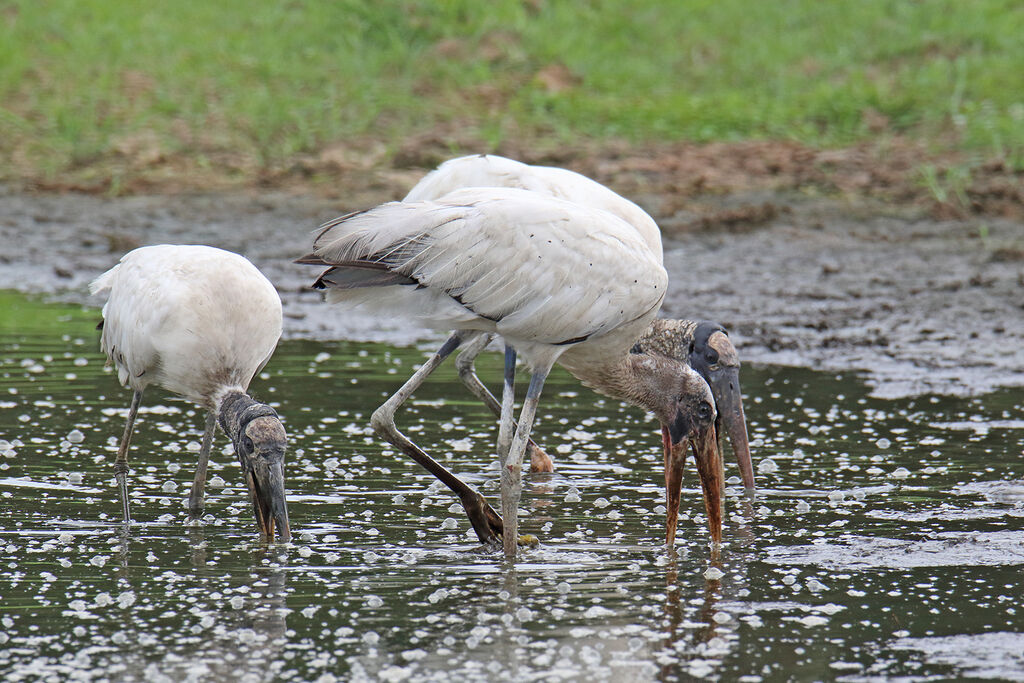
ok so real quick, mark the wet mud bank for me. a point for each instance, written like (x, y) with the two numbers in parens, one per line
(918, 305)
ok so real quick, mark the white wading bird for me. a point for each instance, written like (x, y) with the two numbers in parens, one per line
(200, 322)
(559, 282)
(705, 346)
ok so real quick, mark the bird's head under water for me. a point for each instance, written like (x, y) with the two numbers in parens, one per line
(260, 443)
(683, 403)
(714, 357)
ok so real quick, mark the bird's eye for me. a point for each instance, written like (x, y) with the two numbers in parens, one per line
(711, 356)
(248, 445)
(704, 411)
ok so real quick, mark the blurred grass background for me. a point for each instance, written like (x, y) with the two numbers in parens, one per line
(240, 86)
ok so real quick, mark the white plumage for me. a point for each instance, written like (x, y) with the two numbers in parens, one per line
(488, 170)
(195, 320)
(199, 322)
(539, 271)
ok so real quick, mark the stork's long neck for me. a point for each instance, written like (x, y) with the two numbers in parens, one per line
(236, 410)
(637, 378)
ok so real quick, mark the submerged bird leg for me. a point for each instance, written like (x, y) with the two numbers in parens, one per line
(539, 460)
(485, 521)
(511, 470)
(121, 463)
(195, 496)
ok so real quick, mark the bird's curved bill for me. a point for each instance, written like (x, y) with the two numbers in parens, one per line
(708, 458)
(725, 385)
(266, 484)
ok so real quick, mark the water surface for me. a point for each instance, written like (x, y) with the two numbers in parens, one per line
(885, 539)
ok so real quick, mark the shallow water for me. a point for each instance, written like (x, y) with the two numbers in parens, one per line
(885, 539)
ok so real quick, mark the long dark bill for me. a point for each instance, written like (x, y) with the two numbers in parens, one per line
(708, 456)
(266, 484)
(675, 461)
(725, 385)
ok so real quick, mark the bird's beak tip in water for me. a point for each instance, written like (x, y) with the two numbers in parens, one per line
(267, 485)
(708, 457)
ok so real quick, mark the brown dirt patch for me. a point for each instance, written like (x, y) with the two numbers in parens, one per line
(667, 178)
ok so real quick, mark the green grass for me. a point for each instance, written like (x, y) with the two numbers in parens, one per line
(86, 81)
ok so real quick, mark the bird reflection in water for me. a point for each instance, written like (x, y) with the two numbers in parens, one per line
(695, 645)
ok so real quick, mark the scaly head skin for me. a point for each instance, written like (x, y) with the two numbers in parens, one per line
(708, 350)
(260, 443)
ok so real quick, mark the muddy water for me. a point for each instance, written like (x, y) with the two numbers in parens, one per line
(886, 538)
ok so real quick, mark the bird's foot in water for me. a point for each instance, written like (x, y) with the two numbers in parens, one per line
(527, 541)
(487, 523)
(539, 460)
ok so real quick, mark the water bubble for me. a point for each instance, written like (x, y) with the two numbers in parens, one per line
(767, 466)
(371, 638)
(815, 586)
(563, 587)
(713, 574)
(573, 496)
(216, 482)
(836, 496)
(601, 503)
(803, 506)
(449, 523)
(900, 473)
(883, 443)
(373, 601)
(75, 436)
(169, 486)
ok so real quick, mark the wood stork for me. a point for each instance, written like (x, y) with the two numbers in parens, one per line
(704, 345)
(559, 282)
(200, 322)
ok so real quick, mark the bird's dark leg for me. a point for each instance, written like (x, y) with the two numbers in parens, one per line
(485, 521)
(121, 463)
(512, 466)
(195, 496)
(539, 460)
